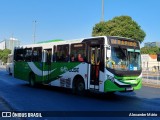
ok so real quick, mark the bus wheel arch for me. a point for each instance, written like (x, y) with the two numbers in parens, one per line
(32, 82)
(78, 85)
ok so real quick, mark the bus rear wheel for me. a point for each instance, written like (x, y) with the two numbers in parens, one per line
(32, 80)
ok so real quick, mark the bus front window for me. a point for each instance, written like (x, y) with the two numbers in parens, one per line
(123, 59)
(134, 60)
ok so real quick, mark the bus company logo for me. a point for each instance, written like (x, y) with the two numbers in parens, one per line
(6, 114)
(74, 70)
(64, 69)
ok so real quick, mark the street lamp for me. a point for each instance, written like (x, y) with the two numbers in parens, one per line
(34, 32)
(102, 19)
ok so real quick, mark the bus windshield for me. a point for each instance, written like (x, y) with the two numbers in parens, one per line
(124, 59)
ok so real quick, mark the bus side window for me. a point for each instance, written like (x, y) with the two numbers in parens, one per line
(49, 55)
(19, 54)
(80, 58)
(102, 58)
(37, 54)
(78, 51)
(28, 54)
(72, 58)
(62, 53)
(54, 56)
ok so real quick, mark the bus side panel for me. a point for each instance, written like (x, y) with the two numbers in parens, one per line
(102, 77)
(67, 73)
(36, 68)
(21, 70)
(55, 70)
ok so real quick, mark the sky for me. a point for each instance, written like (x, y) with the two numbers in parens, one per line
(72, 19)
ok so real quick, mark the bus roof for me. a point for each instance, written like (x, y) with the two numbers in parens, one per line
(50, 43)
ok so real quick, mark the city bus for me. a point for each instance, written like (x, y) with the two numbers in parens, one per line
(101, 64)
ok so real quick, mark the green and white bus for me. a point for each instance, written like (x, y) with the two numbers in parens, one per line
(100, 64)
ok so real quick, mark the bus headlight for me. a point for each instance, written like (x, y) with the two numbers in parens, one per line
(111, 78)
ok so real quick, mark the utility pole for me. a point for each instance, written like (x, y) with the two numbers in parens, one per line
(102, 19)
(34, 32)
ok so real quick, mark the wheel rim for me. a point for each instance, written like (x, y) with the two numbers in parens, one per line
(80, 86)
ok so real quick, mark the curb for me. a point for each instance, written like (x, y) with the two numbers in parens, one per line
(5, 105)
(151, 85)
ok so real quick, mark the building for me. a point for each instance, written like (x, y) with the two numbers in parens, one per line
(152, 44)
(9, 43)
(149, 62)
(2, 45)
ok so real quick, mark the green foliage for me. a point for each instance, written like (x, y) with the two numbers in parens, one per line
(150, 50)
(4, 54)
(122, 26)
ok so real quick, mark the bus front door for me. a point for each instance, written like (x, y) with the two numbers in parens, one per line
(94, 67)
(47, 65)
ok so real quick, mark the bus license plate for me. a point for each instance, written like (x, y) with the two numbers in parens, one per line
(129, 89)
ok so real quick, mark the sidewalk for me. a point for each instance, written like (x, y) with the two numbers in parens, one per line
(151, 83)
(4, 106)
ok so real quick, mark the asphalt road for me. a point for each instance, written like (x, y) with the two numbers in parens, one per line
(22, 97)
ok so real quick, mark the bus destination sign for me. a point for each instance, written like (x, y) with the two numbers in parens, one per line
(124, 42)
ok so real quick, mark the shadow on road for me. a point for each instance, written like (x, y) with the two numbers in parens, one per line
(116, 96)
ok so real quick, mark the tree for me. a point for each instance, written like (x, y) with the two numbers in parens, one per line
(4, 54)
(150, 50)
(122, 26)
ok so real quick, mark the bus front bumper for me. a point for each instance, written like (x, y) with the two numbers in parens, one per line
(113, 86)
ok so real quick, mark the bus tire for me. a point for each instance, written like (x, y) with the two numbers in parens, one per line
(79, 86)
(111, 93)
(32, 80)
